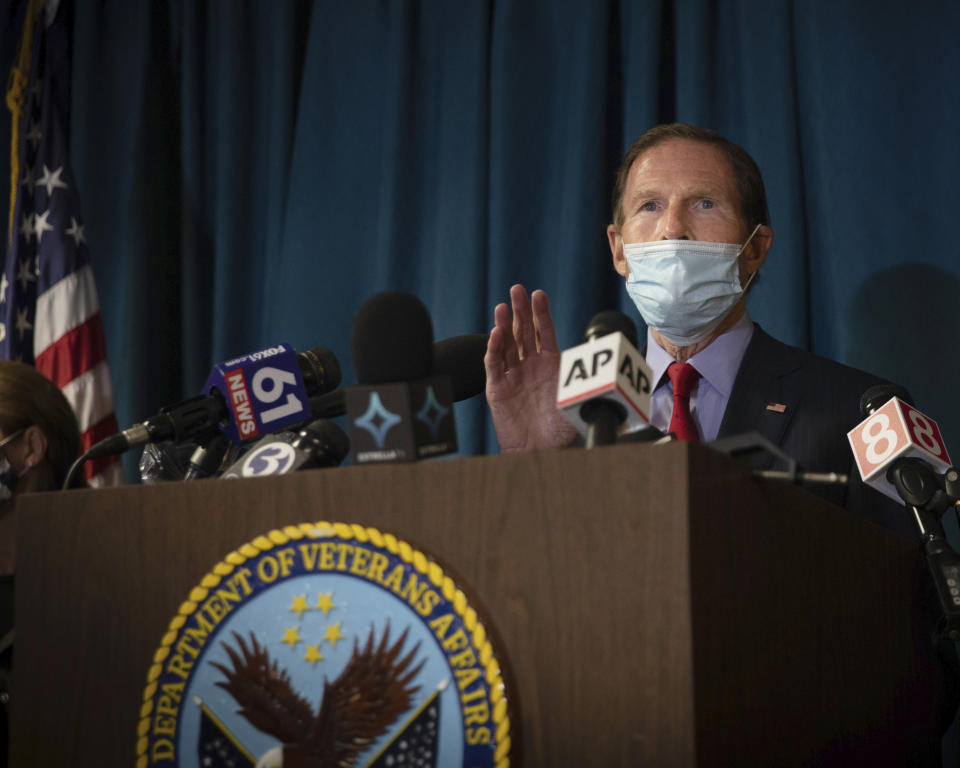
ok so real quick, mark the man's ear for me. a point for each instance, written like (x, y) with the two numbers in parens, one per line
(35, 442)
(755, 253)
(616, 249)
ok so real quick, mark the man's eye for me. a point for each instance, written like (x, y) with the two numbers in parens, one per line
(707, 203)
(649, 206)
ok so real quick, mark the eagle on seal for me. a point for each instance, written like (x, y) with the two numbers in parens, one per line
(371, 692)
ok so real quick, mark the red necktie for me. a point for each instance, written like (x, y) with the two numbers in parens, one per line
(684, 378)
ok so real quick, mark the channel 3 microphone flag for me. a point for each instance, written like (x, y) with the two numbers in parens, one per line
(49, 311)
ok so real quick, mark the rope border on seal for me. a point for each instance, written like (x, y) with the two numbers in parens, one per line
(345, 531)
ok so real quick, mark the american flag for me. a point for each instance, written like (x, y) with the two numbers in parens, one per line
(49, 311)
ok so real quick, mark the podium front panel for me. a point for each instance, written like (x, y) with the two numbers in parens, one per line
(621, 621)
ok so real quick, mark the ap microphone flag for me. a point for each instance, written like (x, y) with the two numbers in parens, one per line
(609, 367)
(893, 431)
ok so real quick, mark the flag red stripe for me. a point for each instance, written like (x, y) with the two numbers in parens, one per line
(103, 428)
(74, 353)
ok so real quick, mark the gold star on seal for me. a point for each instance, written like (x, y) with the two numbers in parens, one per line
(333, 634)
(291, 636)
(313, 655)
(299, 606)
(325, 603)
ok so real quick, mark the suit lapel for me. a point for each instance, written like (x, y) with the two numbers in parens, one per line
(763, 381)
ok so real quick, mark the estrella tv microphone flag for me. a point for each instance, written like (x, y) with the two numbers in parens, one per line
(49, 310)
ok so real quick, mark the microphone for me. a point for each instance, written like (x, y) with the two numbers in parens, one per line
(899, 451)
(241, 399)
(321, 443)
(230, 405)
(459, 357)
(604, 386)
(603, 417)
(893, 429)
(400, 410)
(928, 496)
(268, 390)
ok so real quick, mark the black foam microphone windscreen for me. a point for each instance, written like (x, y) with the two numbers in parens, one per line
(392, 339)
(611, 321)
(878, 394)
(461, 358)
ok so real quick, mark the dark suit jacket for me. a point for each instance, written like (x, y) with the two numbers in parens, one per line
(822, 403)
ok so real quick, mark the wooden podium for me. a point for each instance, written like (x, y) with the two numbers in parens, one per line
(657, 605)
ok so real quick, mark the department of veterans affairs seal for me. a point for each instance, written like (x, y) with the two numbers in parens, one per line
(325, 645)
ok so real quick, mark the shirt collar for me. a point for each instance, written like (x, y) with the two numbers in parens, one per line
(718, 362)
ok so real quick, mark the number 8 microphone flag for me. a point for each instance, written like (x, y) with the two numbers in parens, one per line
(49, 311)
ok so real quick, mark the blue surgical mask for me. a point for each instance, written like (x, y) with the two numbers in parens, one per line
(684, 288)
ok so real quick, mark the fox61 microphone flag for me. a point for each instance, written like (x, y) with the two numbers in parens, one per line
(895, 430)
(263, 390)
(609, 367)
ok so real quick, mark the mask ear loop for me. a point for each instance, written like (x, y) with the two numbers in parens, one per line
(742, 248)
(747, 241)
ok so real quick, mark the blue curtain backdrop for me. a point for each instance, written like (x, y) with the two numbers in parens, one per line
(250, 172)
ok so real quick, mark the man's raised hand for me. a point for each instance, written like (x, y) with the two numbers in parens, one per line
(523, 363)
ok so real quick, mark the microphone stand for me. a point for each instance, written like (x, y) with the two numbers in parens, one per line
(928, 496)
(603, 418)
(206, 459)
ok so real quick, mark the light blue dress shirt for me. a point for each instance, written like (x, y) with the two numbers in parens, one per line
(718, 364)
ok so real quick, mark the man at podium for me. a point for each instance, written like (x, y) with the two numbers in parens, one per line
(690, 230)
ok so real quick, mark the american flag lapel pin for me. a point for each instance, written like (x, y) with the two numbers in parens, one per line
(776, 407)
